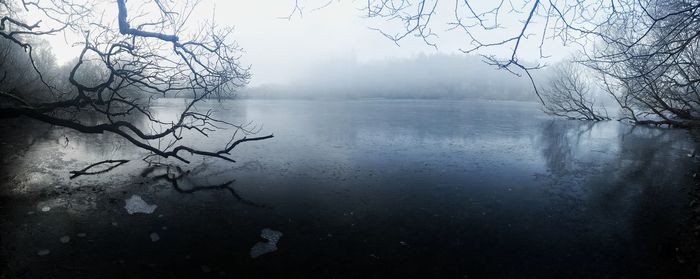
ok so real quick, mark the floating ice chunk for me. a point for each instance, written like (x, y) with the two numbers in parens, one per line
(264, 247)
(65, 239)
(155, 237)
(271, 235)
(46, 209)
(136, 204)
(43, 252)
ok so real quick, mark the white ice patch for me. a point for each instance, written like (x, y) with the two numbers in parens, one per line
(155, 237)
(43, 252)
(136, 204)
(48, 205)
(264, 247)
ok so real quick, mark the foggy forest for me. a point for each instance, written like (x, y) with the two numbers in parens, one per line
(349, 139)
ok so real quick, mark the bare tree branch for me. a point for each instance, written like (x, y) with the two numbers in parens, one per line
(121, 70)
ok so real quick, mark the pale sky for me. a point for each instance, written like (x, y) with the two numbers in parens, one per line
(281, 50)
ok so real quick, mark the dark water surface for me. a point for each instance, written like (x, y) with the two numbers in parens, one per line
(437, 189)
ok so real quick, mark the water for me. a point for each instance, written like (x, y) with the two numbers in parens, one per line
(378, 188)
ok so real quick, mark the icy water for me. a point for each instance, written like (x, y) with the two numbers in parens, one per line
(379, 189)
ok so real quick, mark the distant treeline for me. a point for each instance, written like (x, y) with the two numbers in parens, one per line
(440, 76)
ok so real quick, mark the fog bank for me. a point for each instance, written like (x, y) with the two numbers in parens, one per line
(437, 76)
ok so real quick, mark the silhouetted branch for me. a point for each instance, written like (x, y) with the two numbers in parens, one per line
(130, 66)
(85, 171)
(125, 28)
(653, 35)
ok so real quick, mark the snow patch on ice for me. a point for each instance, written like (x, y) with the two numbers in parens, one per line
(43, 252)
(264, 247)
(155, 237)
(136, 204)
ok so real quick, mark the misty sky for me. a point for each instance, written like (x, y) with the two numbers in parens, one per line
(282, 50)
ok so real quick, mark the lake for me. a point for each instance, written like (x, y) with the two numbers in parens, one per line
(365, 188)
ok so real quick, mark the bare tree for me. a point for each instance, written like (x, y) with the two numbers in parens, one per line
(132, 52)
(568, 94)
(655, 79)
(587, 25)
(652, 35)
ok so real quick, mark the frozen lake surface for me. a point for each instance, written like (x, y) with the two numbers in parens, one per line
(376, 188)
